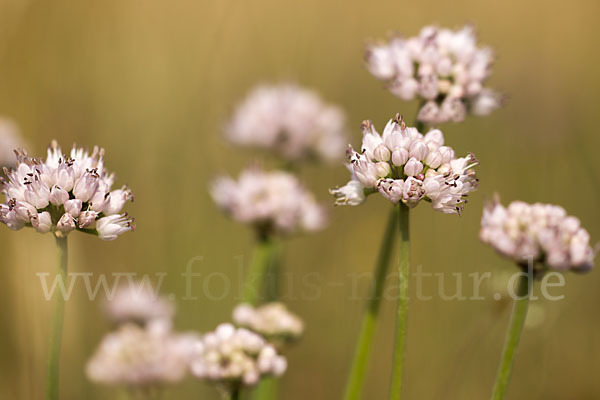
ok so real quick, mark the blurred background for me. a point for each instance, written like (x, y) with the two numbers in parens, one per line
(153, 81)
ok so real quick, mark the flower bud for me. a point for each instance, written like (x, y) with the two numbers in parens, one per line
(447, 154)
(434, 136)
(419, 150)
(399, 157)
(73, 207)
(434, 159)
(66, 223)
(413, 167)
(86, 186)
(42, 222)
(87, 218)
(58, 196)
(381, 153)
(383, 169)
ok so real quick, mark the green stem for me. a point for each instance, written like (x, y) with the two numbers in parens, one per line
(266, 389)
(517, 320)
(361, 355)
(52, 384)
(261, 260)
(234, 394)
(402, 313)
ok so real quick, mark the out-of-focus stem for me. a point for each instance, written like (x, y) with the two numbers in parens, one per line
(402, 313)
(361, 355)
(517, 321)
(56, 324)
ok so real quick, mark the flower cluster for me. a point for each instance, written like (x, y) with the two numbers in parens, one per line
(403, 165)
(137, 302)
(9, 142)
(138, 356)
(442, 68)
(539, 233)
(291, 121)
(235, 357)
(269, 201)
(272, 320)
(65, 193)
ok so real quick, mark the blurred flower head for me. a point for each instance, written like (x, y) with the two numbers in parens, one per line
(404, 165)
(442, 68)
(138, 302)
(272, 202)
(540, 233)
(272, 320)
(10, 140)
(234, 357)
(65, 193)
(138, 356)
(292, 122)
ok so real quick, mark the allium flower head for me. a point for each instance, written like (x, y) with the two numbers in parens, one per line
(269, 201)
(234, 357)
(137, 356)
(289, 120)
(9, 142)
(137, 302)
(442, 68)
(272, 320)
(540, 233)
(65, 193)
(404, 165)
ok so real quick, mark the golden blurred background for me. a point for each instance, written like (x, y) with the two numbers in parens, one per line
(152, 83)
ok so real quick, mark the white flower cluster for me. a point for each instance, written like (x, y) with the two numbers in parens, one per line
(137, 302)
(289, 120)
(65, 193)
(138, 356)
(9, 142)
(269, 201)
(272, 320)
(541, 233)
(234, 357)
(443, 68)
(403, 165)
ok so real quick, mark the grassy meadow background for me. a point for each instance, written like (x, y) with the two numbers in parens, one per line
(152, 83)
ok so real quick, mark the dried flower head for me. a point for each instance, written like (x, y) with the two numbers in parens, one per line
(293, 122)
(442, 68)
(65, 193)
(233, 357)
(272, 320)
(542, 234)
(403, 165)
(10, 140)
(138, 302)
(272, 202)
(137, 356)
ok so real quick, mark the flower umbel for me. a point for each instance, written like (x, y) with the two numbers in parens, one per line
(289, 120)
(272, 202)
(234, 357)
(541, 233)
(442, 68)
(136, 356)
(64, 193)
(272, 320)
(138, 302)
(404, 165)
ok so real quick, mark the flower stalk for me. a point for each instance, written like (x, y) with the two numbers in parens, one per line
(56, 325)
(262, 259)
(359, 365)
(517, 321)
(402, 311)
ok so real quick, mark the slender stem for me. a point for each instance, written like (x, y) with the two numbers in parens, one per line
(517, 320)
(274, 273)
(235, 394)
(261, 259)
(402, 313)
(266, 389)
(52, 384)
(361, 355)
